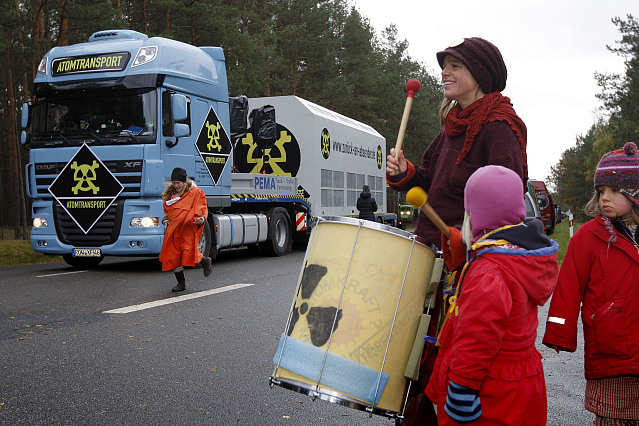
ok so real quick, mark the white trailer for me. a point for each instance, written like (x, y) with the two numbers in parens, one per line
(330, 156)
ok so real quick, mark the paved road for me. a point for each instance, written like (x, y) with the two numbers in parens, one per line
(203, 361)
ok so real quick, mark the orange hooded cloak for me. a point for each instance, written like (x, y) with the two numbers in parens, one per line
(181, 244)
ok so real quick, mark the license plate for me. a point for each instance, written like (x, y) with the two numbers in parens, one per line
(83, 252)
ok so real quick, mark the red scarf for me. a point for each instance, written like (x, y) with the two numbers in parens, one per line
(489, 108)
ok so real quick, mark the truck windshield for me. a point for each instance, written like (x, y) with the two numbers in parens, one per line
(97, 117)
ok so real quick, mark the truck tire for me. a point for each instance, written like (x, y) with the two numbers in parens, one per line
(279, 234)
(205, 241)
(82, 262)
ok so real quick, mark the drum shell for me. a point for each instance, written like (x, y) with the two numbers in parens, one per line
(376, 276)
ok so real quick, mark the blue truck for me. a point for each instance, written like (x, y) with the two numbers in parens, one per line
(113, 116)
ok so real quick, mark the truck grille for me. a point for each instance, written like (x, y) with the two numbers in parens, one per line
(105, 231)
(129, 177)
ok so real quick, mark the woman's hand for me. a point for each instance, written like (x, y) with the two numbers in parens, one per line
(396, 166)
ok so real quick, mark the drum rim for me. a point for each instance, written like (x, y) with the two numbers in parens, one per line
(372, 225)
(332, 397)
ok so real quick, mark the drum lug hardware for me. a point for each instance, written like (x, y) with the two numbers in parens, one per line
(273, 381)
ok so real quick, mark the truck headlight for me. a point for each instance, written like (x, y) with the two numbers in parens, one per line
(42, 68)
(145, 55)
(145, 222)
(40, 222)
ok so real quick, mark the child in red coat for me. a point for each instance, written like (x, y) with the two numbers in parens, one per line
(600, 275)
(488, 370)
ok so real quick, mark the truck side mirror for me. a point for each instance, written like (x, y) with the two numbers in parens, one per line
(178, 104)
(25, 138)
(181, 130)
(26, 115)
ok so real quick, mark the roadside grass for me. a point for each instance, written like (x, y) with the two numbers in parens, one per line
(20, 252)
(562, 236)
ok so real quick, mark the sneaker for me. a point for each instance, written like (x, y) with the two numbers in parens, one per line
(206, 264)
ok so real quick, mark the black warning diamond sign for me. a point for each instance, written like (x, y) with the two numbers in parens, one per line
(85, 188)
(213, 145)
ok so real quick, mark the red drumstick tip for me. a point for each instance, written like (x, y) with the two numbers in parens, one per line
(413, 85)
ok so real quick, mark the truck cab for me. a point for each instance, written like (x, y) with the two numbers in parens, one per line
(111, 118)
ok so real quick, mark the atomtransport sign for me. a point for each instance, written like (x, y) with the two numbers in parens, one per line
(90, 63)
(85, 188)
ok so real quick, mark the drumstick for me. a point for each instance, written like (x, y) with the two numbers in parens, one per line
(413, 85)
(417, 197)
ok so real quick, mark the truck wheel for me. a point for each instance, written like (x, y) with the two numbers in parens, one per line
(279, 232)
(82, 262)
(205, 241)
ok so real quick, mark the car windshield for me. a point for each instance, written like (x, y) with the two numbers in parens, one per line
(99, 116)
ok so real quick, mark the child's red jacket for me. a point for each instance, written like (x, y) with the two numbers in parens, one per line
(489, 345)
(604, 279)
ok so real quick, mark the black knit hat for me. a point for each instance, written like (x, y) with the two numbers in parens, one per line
(178, 173)
(483, 60)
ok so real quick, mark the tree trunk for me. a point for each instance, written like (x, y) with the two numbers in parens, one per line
(25, 98)
(193, 31)
(167, 22)
(295, 75)
(13, 181)
(63, 33)
(145, 22)
(38, 21)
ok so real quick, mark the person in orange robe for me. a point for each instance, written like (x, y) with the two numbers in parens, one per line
(185, 213)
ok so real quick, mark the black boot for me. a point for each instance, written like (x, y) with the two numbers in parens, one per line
(206, 265)
(181, 282)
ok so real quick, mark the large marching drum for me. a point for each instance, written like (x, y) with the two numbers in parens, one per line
(352, 334)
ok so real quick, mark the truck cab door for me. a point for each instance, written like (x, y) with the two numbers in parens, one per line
(177, 144)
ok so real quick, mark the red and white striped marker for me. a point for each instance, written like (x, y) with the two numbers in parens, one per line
(300, 221)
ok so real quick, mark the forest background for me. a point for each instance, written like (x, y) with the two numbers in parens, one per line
(320, 50)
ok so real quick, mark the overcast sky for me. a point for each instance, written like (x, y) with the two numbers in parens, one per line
(552, 49)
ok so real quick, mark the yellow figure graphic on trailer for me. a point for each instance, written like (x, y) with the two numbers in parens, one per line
(326, 143)
(84, 175)
(269, 156)
(214, 136)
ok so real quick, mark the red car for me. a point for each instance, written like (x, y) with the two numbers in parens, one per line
(546, 206)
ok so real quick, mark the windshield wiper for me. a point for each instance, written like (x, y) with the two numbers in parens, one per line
(51, 134)
(122, 137)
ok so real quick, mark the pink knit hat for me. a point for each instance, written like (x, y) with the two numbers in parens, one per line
(493, 198)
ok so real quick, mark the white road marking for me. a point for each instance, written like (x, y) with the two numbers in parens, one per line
(176, 299)
(61, 273)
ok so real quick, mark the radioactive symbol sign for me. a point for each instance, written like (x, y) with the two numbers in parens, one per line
(214, 145)
(85, 188)
(302, 192)
(282, 159)
(325, 140)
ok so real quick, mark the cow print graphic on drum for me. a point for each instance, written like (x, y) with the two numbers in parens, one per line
(320, 319)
